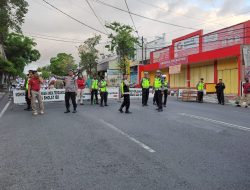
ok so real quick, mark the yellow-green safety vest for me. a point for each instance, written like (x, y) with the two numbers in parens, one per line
(103, 86)
(200, 86)
(94, 85)
(157, 83)
(165, 84)
(27, 84)
(145, 83)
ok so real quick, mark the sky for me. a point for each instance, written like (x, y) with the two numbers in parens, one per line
(43, 21)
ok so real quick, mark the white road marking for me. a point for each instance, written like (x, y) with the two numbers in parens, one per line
(5, 108)
(128, 136)
(216, 121)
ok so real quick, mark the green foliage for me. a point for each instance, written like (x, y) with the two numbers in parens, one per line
(122, 42)
(7, 67)
(46, 73)
(61, 64)
(12, 14)
(20, 51)
(88, 55)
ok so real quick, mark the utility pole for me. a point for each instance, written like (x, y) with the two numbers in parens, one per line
(142, 44)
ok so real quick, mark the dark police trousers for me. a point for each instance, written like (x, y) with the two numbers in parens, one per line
(28, 100)
(145, 94)
(159, 98)
(104, 97)
(165, 97)
(220, 97)
(200, 96)
(72, 96)
(126, 102)
(94, 92)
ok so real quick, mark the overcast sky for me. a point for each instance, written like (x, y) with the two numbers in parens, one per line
(42, 20)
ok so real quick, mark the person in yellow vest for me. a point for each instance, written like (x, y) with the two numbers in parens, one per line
(26, 86)
(125, 94)
(145, 84)
(200, 88)
(94, 90)
(166, 86)
(159, 89)
(103, 92)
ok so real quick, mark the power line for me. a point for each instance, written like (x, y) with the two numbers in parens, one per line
(93, 11)
(73, 18)
(141, 16)
(132, 18)
(52, 39)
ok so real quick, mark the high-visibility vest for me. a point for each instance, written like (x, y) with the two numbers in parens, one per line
(200, 86)
(27, 84)
(157, 83)
(145, 83)
(103, 86)
(94, 85)
(165, 85)
(124, 88)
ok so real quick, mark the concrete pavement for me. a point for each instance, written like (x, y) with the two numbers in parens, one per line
(100, 148)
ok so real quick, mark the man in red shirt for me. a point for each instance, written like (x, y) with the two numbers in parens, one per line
(246, 93)
(35, 94)
(81, 84)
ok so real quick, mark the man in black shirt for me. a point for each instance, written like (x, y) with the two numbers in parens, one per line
(220, 92)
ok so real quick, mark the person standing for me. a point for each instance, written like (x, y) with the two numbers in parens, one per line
(26, 86)
(200, 87)
(103, 92)
(246, 94)
(145, 84)
(80, 84)
(220, 92)
(34, 93)
(94, 90)
(158, 88)
(165, 93)
(125, 94)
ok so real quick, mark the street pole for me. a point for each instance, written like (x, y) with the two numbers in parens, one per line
(142, 43)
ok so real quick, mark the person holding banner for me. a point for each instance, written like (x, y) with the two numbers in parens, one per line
(34, 93)
(145, 84)
(125, 94)
(103, 92)
(94, 90)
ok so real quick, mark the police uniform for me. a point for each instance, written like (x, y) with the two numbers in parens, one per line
(126, 96)
(103, 92)
(94, 90)
(158, 87)
(166, 86)
(200, 87)
(145, 83)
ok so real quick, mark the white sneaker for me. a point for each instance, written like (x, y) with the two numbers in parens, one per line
(35, 113)
(42, 112)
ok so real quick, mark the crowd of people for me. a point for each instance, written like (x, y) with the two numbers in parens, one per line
(75, 84)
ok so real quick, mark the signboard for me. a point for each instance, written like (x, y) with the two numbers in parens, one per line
(177, 61)
(187, 46)
(174, 69)
(223, 38)
(114, 77)
(161, 56)
(246, 57)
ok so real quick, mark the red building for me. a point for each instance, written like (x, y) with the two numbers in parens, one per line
(210, 56)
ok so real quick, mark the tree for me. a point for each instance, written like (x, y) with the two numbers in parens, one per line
(12, 14)
(46, 72)
(88, 55)
(60, 64)
(123, 43)
(20, 51)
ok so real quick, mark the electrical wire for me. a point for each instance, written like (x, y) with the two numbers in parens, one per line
(132, 19)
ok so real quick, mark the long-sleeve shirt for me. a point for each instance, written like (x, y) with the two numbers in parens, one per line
(70, 83)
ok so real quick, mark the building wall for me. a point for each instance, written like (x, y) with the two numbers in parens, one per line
(180, 79)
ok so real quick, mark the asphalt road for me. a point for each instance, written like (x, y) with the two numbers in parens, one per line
(188, 146)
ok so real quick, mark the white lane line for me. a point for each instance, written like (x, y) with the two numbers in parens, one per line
(5, 108)
(128, 136)
(216, 121)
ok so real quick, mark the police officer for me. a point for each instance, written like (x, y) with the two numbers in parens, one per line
(103, 92)
(158, 88)
(26, 85)
(94, 90)
(200, 87)
(125, 94)
(165, 93)
(220, 92)
(145, 83)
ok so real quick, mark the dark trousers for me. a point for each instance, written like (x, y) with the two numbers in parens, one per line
(200, 96)
(165, 97)
(126, 102)
(72, 96)
(220, 97)
(28, 100)
(104, 97)
(154, 99)
(145, 94)
(94, 92)
(159, 98)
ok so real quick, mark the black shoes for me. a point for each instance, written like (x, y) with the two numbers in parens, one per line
(74, 111)
(120, 110)
(28, 109)
(127, 111)
(106, 105)
(67, 111)
(160, 110)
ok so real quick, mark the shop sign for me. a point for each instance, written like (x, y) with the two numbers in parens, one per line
(174, 69)
(177, 61)
(161, 56)
(187, 47)
(223, 38)
(246, 57)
